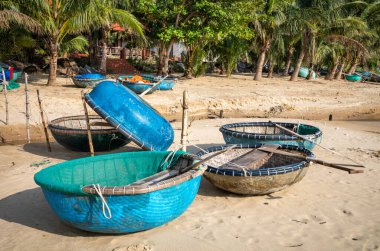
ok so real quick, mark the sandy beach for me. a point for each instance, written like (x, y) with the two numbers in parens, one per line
(328, 210)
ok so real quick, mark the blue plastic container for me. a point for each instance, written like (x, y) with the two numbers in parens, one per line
(131, 115)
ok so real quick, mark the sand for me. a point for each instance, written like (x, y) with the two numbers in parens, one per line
(328, 210)
(238, 96)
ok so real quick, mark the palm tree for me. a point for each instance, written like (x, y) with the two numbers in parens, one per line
(60, 18)
(10, 14)
(265, 24)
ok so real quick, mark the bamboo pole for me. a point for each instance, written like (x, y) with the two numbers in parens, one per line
(88, 126)
(185, 124)
(5, 84)
(27, 112)
(43, 121)
(304, 138)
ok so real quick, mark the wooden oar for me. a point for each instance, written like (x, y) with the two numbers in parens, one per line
(147, 90)
(304, 138)
(169, 173)
(321, 162)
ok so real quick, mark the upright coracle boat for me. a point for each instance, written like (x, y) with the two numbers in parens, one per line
(273, 172)
(267, 133)
(88, 79)
(102, 193)
(304, 72)
(71, 132)
(131, 116)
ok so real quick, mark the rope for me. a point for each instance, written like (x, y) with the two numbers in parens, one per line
(104, 202)
(171, 154)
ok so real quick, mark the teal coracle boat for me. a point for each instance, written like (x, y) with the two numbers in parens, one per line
(136, 87)
(254, 133)
(95, 193)
(304, 72)
(353, 77)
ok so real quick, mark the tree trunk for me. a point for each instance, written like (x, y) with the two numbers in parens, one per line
(288, 61)
(338, 76)
(353, 67)
(261, 59)
(189, 62)
(53, 63)
(331, 74)
(259, 66)
(103, 59)
(270, 71)
(300, 57)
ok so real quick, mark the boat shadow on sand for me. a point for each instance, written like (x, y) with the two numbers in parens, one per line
(59, 152)
(30, 209)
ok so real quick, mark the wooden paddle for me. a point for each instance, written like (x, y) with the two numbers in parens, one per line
(304, 138)
(155, 84)
(169, 173)
(322, 162)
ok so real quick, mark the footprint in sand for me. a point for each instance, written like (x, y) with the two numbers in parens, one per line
(347, 212)
(138, 247)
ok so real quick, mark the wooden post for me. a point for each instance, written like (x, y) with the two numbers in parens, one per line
(5, 84)
(27, 112)
(185, 124)
(88, 126)
(43, 121)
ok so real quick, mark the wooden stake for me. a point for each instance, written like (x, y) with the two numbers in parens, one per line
(27, 112)
(43, 121)
(304, 138)
(5, 84)
(88, 126)
(185, 123)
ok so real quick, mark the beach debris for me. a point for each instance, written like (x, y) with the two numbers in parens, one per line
(136, 247)
(301, 221)
(40, 163)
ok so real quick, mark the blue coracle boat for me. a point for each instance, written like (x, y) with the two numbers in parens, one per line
(95, 193)
(165, 85)
(88, 80)
(131, 115)
(267, 133)
(136, 87)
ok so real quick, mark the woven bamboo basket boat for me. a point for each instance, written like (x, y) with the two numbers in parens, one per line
(131, 115)
(71, 132)
(267, 133)
(276, 173)
(88, 80)
(165, 85)
(136, 87)
(70, 189)
(353, 77)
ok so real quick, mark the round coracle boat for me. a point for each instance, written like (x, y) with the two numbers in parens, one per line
(88, 80)
(268, 133)
(353, 77)
(99, 194)
(273, 172)
(137, 84)
(131, 115)
(71, 132)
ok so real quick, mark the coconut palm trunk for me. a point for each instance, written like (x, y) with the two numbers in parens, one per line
(300, 57)
(331, 74)
(103, 59)
(338, 76)
(353, 66)
(288, 61)
(53, 63)
(270, 70)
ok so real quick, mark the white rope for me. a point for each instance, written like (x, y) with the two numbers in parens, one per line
(171, 154)
(104, 202)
